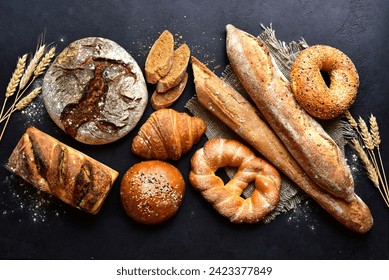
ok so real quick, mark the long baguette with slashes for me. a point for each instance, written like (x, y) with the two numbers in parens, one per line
(238, 114)
(306, 140)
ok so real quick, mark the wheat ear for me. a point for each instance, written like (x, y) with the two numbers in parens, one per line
(14, 81)
(44, 63)
(37, 65)
(28, 99)
(21, 105)
(371, 141)
(370, 168)
(374, 130)
(32, 66)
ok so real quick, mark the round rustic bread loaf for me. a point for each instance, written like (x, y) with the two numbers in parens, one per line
(95, 91)
(152, 191)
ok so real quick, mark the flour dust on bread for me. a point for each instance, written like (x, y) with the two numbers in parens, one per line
(227, 105)
(61, 171)
(304, 137)
(95, 91)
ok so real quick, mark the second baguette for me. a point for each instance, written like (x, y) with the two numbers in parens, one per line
(304, 137)
(238, 114)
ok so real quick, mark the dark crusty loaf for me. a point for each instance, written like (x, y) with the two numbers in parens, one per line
(95, 91)
(61, 171)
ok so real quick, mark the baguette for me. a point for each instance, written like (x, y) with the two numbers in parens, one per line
(61, 171)
(227, 104)
(305, 139)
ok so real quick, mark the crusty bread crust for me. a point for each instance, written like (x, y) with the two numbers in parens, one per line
(228, 105)
(166, 99)
(95, 91)
(61, 171)
(310, 89)
(306, 140)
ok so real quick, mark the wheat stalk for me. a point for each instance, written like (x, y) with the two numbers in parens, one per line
(44, 63)
(374, 130)
(21, 80)
(371, 141)
(32, 66)
(371, 171)
(14, 81)
(28, 99)
(351, 120)
(16, 76)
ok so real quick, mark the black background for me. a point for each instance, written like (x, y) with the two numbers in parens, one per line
(358, 28)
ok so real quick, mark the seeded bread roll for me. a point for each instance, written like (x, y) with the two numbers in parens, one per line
(95, 91)
(152, 191)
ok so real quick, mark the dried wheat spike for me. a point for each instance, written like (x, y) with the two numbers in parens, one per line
(374, 130)
(16, 76)
(28, 99)
(44, 62)
(365, 134)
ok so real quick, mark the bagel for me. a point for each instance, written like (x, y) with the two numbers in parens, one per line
(226, 198)
(310, 89)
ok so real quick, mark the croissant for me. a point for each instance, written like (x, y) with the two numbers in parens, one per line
(167, 134)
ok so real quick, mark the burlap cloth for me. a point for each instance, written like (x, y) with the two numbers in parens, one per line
(284, 55)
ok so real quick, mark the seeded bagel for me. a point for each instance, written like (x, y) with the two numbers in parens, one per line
(310, 89)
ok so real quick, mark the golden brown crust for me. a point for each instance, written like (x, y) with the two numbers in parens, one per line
(227, 104)
(167, 134)
(159, 61)
(177, 71)
(310, 89)
(226, 198)
(152, 191)
(304, 137)
(62, 171)
(166, 99)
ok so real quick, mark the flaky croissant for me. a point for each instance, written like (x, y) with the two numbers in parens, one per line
(167, 134)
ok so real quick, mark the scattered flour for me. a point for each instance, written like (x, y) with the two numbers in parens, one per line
(24, 202)
(303, 215)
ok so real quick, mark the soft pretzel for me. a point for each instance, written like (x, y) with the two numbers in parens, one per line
(226, 198)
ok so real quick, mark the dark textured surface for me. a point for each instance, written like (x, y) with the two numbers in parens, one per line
(358, 28)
